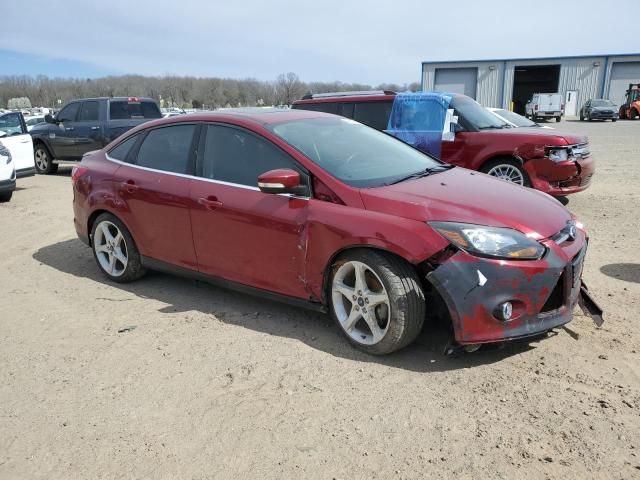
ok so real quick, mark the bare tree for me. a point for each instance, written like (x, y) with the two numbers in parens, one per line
(288, 88)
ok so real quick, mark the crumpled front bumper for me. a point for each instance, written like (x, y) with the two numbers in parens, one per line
(560, 178)
(543, 292)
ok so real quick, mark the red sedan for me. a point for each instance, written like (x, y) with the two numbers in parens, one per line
(324, 212)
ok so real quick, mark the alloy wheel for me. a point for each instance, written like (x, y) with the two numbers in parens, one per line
(42, 159)
(507, 172)
(110, 248)
(360, 302)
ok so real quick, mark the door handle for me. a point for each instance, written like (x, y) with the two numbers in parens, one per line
(130, 186)
(210, 203)
(26, 140)
(68, 128)
(95, 128)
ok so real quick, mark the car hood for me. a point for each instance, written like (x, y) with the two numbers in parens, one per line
(538, 135)
(461, 195)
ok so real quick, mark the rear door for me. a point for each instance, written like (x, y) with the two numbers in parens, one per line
(18, 142)
(88, 128)
(240, 233)
(153, 181)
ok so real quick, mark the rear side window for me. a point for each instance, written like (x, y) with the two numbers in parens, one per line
(69, 113)
(374, 114)
(167, 149)
(235, 156)
(89, 111)
(121, 151)
(124, 110)
(346, 109)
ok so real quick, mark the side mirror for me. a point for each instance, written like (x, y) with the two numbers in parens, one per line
(450, 126)
(49, 118)
(281, 180)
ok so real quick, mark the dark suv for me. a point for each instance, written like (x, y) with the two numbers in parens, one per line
(458, 130)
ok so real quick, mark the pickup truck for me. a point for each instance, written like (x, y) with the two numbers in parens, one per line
(85, 125)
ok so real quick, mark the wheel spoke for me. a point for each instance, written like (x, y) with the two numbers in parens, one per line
(107, 234)
(345, 290)
(112, 263)
(376, 331)
(118, 239)
(376, 299)
(352, 319)
(117, 253)
(361, 282)
(102, 248)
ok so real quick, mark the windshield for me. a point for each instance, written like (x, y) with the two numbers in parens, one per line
(357, 155)
(476, 115)
(517, 120)
(601, 103)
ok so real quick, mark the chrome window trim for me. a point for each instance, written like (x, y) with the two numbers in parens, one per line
(193, 177)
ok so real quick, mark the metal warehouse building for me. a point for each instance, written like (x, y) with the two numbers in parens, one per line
(509, 83)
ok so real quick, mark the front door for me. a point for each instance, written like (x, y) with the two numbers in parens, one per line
(18, 141)
(62, 135)
(155, 190)
(571, 103)
(240, 233)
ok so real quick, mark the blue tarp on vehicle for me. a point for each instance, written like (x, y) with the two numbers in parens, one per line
(419, 119)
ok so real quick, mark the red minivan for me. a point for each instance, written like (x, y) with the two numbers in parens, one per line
(552, 162)
(307, 208)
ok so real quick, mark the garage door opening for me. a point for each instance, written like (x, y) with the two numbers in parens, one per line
(530, 79)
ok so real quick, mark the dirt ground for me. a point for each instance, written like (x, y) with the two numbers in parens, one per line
(170, 378)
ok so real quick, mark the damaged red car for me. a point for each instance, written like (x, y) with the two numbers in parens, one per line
(324, 212)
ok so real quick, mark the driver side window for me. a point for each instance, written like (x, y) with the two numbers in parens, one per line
(68, 113)
(11, 124)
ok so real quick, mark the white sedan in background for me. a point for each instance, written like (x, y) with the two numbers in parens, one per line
(33, 121)
(16, 139)
(514, 119)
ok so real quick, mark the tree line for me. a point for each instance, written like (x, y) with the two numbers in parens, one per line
(175, 91)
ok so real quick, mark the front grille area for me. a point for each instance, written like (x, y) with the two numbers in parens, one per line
(556, 299)
(580, 150)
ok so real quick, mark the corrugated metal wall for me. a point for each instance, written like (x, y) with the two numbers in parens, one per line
(586, 75)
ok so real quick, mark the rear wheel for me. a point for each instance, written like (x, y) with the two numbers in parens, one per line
(43, 160)
(115, 251)
(377, 300)
(581, 117)
(633, 113)
(5, 197)
(507, 169)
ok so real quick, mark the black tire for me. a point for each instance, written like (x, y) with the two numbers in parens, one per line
(5, 197)
(406, 299)
(589, 117)
(581, 117)
(633, 114)
(558, 119)
(486, 168)
(44, 160)
(134, 269)
(614, 119)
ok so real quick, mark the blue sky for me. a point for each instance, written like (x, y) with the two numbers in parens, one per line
(351, 41)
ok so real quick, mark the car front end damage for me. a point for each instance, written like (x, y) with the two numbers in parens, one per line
(558, 169)
(492, 300)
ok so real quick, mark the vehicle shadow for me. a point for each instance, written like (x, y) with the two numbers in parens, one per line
(314, 329)
(629, 272)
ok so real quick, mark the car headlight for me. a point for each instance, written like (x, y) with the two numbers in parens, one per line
(558, 154)
(494, 242)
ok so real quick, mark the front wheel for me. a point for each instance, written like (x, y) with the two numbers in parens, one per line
(377, 300)
(508, 170)
(44, 162)
(5, 197)
(558, 119)
(114, 250)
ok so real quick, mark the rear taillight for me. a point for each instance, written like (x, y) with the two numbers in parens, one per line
(77, 172)
(535, 107)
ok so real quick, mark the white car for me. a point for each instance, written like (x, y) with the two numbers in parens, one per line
(545, 105)
(512, 118)
(7, 173)
(15, 137)
(33, 120)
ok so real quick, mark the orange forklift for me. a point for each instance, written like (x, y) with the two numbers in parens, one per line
(630, 109)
